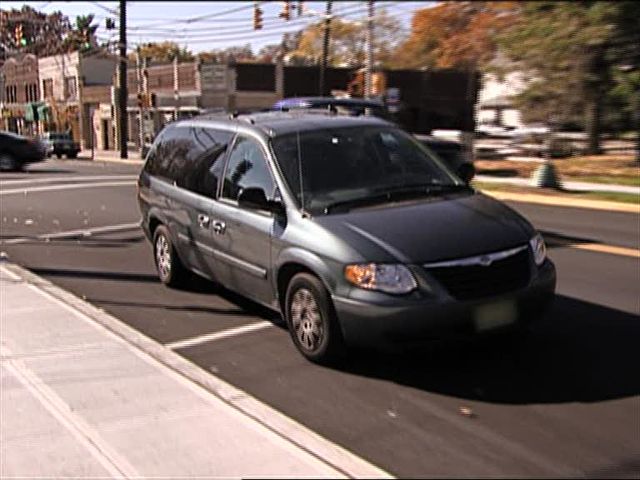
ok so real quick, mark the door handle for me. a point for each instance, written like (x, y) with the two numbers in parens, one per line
(203, 221)
(219, 227)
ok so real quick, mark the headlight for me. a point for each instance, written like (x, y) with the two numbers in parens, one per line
(539, 249)
(385, 278)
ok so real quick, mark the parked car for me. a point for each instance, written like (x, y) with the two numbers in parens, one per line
(452, 153)
(61, 143)
(16, 151)
(347, 226)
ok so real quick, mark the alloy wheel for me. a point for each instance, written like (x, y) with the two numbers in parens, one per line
(307, 320)
(163, 256)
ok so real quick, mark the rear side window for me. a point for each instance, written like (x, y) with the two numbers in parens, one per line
(169, 157)
(205, 160)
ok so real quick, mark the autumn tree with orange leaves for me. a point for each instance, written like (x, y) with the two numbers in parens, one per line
(455, 35)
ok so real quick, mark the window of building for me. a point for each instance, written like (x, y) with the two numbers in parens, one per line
(71, 87)
(47, 87)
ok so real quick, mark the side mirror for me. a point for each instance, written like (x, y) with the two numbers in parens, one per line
(255, 198)
(466, 172)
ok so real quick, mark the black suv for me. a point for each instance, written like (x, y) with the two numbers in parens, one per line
(61, 143)
(16, 151)
(348, 226)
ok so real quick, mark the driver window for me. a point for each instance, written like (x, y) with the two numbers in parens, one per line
(247, 168)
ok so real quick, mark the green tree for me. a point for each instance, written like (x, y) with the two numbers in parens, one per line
(572, 54)
(83, 36)
(43, 34)
(347, 41)
(164, 52)
(229, 54)
(455, 35)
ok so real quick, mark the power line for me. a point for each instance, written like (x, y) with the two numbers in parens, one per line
(242, 34)
(276, 27)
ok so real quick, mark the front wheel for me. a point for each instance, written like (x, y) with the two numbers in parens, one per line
(312, 321)
(170, 269)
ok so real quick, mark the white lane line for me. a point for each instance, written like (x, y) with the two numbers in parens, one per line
(85, 232)
(32, 181)
(90, 439)
(65, 187)
(210, 337)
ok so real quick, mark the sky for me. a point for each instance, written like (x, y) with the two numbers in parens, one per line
(201, 26)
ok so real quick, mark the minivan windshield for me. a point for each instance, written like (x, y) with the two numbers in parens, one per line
(330, 168)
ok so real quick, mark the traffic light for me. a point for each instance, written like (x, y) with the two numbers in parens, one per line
(286, 11)
(111, 24)
(300, 8)
(19, 37)
(257, 17)
(153, 101)
(86, 44)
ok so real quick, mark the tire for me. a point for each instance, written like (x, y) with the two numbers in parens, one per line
(170, 270)
(312, 321)
(59, 155)
(8, 163)
(72, 155)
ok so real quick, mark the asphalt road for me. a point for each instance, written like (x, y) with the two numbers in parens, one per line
(565, 404)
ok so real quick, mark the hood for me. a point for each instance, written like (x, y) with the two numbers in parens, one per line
(431, 230)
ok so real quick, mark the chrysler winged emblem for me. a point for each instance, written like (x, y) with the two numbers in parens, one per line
(485, 260)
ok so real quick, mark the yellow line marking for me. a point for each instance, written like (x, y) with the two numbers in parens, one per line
(565, 201)
(595, 247)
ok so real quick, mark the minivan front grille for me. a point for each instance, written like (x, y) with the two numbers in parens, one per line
(468, 280)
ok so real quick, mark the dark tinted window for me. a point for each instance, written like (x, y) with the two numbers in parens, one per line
(247, 167)
(205, 160)
(343, 164)
(169, 157)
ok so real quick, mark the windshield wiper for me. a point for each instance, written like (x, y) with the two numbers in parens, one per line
(394, 193)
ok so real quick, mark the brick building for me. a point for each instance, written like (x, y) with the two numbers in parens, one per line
(69, 84)
(20, 94)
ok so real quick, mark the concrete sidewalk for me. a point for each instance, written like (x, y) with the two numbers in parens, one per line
(79, 400)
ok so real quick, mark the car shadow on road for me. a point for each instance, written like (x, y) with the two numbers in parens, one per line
(33, 171)
(193, 284)
(580, 352)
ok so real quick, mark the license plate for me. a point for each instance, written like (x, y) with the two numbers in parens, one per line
(494, 315)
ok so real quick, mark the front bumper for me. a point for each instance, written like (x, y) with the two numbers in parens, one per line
(384, 319)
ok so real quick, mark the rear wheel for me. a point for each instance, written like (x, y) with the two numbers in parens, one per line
(7, 162)
(170, 269)
(312, 321)
(59, 155)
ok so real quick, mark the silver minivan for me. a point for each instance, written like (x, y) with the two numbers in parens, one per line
(348, 226)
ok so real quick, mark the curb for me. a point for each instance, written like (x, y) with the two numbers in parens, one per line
(564, 201)
(129, 161)
(335, 456)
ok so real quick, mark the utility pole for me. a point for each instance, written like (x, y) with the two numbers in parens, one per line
(140, 102)
(147, 97)
(122, 91)
(369, 53)
(176, 88)
(325, 46)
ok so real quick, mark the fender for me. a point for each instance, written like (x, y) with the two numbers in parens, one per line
(308, 260)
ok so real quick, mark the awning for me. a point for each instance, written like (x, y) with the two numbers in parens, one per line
(33, 111)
